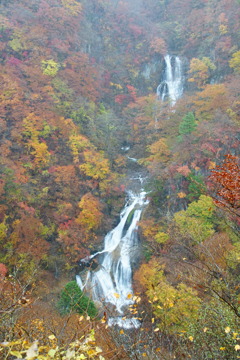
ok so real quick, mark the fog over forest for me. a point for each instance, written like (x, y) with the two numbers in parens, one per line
(119, 179)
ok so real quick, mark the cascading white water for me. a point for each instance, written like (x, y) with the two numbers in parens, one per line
(172, 85)
(111, 282)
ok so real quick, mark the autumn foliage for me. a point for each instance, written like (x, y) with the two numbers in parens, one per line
(78, 88)
(226, 181)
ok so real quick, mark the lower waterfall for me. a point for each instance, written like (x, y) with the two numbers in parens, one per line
(111, 282)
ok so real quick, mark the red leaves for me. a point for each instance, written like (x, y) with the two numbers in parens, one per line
(3, 271)
(184, 170)
(13, 61)
(29, 209)
(119, 99)
(226, 182)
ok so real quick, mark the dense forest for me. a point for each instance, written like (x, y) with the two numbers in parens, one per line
(86, 102)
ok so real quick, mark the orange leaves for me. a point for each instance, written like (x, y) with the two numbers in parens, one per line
(159, 46)
(181, 195)
(160, 154)
(211, 98)
(28, 237)
(65, 174)
(226, 180)
(184, 170)
(211, 165)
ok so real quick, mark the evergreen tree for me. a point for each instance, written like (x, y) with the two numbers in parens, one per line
(188, 124)
(73, 299)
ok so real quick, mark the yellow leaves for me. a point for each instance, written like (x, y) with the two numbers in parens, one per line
(237, 347)
(52, 337)
(227, 330)
(91, 216)
(199, 70)
(81, 357)
(77, 350)
(52, 353)
(117, 86)
(18, 354)
(121, 332)
(72, 6)
(3, 230)
(129, 296)
(235, 62)
(222, 348)
(161, 237)
(191, 338)
(91, 352)
(211, 165)
(16, 44)
(156, 330)
(181, 195)
(39, 150)
(173, 307)
(40, 153)
(95, 165)
(78, 143)
(223, 29)
(137, 299)
(117, 296)
(50, 67)
(205, 329)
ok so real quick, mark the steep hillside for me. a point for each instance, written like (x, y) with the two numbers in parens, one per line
(86, 86)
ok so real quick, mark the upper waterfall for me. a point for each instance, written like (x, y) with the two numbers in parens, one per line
(171, 87)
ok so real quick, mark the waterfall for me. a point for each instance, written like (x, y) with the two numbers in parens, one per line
(111, 282)
(171, 86)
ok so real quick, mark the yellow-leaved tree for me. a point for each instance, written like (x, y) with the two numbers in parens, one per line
(174, 307)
